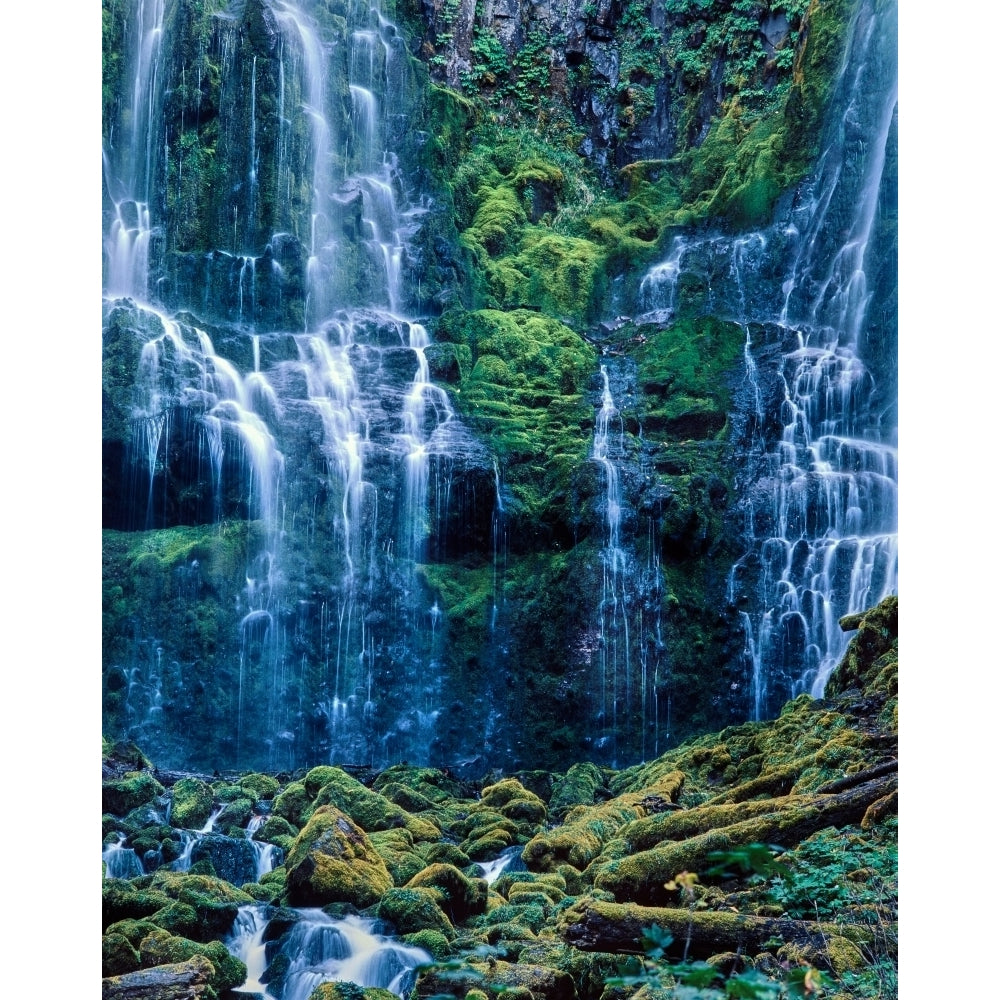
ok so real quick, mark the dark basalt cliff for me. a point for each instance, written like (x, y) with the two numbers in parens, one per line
(446, 369)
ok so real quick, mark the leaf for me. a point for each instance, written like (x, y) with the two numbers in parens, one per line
(697, 974)
(752, 985)
(655, 940)
(757, 858)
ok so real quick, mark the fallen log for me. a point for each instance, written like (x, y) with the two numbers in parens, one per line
(851, 780)
(592, 925)
(640, 877)
(179, 981)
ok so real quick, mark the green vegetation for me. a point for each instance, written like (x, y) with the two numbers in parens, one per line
(525, 393)
(703, 902)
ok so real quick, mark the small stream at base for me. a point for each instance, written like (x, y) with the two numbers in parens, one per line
(318, 949)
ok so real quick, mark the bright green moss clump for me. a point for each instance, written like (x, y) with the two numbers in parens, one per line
(333, 860)
(525, 394)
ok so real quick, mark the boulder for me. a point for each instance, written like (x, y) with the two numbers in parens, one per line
(334, 861)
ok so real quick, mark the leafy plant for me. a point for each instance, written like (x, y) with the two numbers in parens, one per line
(839, 870)
(702, 981)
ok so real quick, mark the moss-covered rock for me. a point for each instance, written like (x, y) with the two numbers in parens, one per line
(871, 662)
(192, 802)
(260, 786)
(461, 897)
(118, 955)
(135, 789)
(333, 861)
(294, 804)
(213, 901)
(415, 908)
(577, 787)
(161, 948)
(370, 810)
(395, 847)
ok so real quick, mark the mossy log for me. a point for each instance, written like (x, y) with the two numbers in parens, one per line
(180, 981)
(591, 925)
(640, 877)
(852, 780)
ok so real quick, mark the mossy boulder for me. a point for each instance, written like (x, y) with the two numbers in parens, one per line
(395, 847)
(294, 804)
(513, 801)
(349, 991)
(427, 781)
(871, 662)
(461, 897)
(531, 982)
(236, 814)
(443, 853)
(406, 798)
(131, 899)
(161, 948)
(415, 908)
(118, 955)
(213, 900)
(192, 803)
(370, 810)
(578, 786)
(130, 792)
(260, 786)
(334, 861)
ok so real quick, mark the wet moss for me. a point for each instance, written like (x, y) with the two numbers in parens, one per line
(161, 948)
(371, 810)
(460, 897)
(333, 860)
(577, 787)
(118, 955)
(130, 792)
(191, 803)
(395, 847)
(415, 908)
(260, 786)
(294, 805)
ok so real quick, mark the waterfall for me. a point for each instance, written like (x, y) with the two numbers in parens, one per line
(627, 624)
(819, 485)
(303, 403)
(320, 949)
(121, 861)
(613, 615)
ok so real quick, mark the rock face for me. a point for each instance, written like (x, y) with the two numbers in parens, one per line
(333, 861)
(393, 438)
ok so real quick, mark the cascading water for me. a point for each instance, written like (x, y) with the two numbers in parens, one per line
(317, 949)
(629, 643)
(819, 488)
(121, 861)
(327, 438)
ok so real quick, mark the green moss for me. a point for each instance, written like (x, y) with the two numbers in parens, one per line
(134, 790)
(260, 786)
(161, 948)
(118, 955)
(294, 804)
(192, 803)
(371, 810)
(415, 908)
(395, 847)
(333, 860)
(460, 897)
(525, 393)
(577, 787)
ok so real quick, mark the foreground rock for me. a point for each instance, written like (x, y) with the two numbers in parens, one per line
(181, 981)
